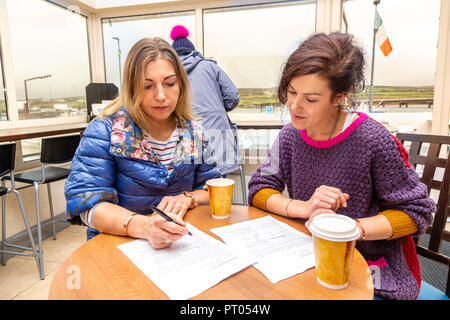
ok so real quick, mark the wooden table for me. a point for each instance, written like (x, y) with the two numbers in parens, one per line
(39, 132)
(106, 273)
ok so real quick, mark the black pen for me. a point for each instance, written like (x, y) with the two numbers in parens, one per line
(165, 216)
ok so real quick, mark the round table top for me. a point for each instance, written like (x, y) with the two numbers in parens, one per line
(99, 270)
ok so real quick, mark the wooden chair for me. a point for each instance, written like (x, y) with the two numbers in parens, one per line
(430, 162)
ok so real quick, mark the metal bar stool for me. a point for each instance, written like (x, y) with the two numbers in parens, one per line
(243, 185)
(242, 180)
(55, 150)
(234, 129)
(8, 153)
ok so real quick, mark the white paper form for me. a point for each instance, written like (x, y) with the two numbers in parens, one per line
(280, 250)
(190, 266)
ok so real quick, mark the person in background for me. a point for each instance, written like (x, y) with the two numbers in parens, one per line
(143, 150)
(333, 160)
(214, 94)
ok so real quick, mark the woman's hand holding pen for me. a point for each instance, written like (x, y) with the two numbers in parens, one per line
(159, 232)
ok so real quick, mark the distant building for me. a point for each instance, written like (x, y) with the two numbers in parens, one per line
(62, 107)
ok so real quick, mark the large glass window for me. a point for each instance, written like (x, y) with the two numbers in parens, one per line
(120, 34)
(253, 46)
(51, 59)
(407, 74)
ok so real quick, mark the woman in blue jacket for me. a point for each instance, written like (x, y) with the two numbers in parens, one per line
(143, 150)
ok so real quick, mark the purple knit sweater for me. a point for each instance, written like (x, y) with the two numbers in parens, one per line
(364, 161)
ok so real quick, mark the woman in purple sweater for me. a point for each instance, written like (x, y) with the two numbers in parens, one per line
(333, 160)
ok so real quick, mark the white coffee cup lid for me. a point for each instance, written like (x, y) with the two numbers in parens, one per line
(334, 227)
(220, 182)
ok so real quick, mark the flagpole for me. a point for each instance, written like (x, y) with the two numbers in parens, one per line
(119, 54)
(375, 2)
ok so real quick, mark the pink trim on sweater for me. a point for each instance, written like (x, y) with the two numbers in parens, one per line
(379, 263)
(339, 138)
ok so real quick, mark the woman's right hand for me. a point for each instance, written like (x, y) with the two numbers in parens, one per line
(159, 232)
(326, 197)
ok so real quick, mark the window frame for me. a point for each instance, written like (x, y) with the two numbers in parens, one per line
(2, 79)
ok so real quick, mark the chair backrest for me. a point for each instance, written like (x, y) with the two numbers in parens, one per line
(430, 162)
(7, 158)
(59, 149)
(96, 92)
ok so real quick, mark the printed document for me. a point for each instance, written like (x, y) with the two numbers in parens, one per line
(190, 266)
(280, 251)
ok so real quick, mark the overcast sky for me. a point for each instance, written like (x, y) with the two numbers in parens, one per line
(412, 27)
(250, 44)
(129, 32)
(47, 39)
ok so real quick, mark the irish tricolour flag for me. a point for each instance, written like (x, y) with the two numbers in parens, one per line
(381, 36)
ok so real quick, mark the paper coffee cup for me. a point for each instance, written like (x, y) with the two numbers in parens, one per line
(334, 239)
(220, 196)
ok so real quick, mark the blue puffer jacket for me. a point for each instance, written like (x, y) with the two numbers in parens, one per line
(114, 163)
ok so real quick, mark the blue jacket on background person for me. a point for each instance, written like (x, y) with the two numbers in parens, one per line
(113, 165)
(213, 95)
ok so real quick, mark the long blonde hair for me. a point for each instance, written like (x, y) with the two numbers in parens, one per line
(133, 87)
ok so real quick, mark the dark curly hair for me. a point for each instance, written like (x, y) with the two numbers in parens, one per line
(333, 56)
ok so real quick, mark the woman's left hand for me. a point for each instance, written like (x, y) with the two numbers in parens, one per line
(317, 212)
(175, 204)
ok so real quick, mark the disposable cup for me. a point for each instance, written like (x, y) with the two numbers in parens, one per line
(334, 238)
(220, 196)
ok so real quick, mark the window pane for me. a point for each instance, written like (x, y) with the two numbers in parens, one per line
(251, 43)
(129, 30)
(3, 113)
(31, 149)
(408, 72)
(51, 59)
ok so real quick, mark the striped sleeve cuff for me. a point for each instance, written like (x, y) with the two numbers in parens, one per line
(260, 198)
(87, 215)
(402, 224)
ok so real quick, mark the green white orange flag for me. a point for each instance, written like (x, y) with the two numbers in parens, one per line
(381, 37)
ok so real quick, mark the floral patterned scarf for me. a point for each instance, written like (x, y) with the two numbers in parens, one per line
(128, 141)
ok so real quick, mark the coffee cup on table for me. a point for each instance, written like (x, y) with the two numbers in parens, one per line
(334, 238)
(220, 196)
